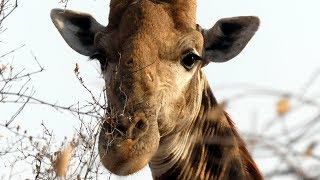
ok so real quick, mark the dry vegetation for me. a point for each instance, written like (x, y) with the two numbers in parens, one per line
(292, 146)
(286, 141)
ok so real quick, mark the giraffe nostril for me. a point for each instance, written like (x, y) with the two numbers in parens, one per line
(139, 128)
(132, 128)
(140, 124)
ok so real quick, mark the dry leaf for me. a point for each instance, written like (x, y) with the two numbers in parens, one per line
(217, 111)
(309, 151)
(18, 128)
(76, 69)
(62, 162)
(283, 106)
(3, 68)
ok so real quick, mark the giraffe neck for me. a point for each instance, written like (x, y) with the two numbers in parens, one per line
(210, 148)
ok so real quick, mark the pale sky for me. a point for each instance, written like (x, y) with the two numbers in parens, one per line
(283, 55)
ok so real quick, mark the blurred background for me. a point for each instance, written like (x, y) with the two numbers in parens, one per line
(271, 90)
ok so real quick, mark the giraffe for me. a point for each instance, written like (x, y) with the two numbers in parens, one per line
(161, 110)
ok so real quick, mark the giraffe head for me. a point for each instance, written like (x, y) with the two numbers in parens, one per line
(151, 54)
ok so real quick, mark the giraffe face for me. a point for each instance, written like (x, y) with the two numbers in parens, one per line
(151, 55)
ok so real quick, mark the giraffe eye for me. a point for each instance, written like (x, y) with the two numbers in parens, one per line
(190, 60)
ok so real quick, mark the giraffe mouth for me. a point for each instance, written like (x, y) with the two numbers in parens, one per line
(126, 149)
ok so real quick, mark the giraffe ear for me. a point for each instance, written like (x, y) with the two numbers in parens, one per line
(77, 29)
(227, 38)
